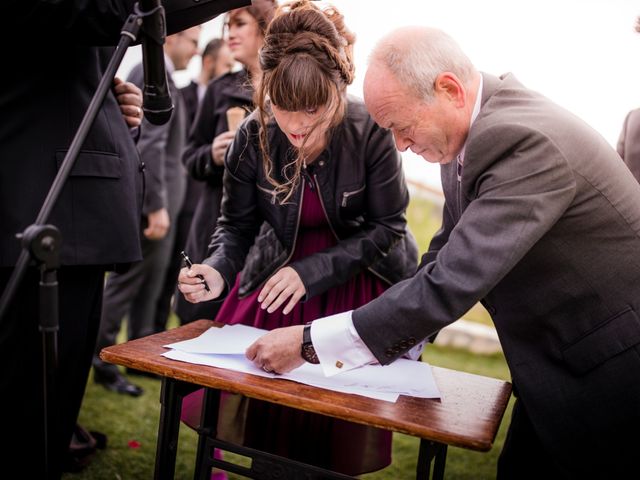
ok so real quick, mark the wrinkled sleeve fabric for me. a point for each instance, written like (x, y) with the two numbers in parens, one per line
(240, 217)
(521, 190)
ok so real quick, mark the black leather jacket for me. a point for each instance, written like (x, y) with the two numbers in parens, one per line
(363, 193)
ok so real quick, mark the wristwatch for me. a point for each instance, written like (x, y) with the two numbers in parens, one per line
(307, 351)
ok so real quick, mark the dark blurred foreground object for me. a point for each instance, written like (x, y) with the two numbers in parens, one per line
(82, 448)
(97, 213)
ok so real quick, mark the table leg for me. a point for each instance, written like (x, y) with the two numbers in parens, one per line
(208, 429)
(171, 395)
(428, 451)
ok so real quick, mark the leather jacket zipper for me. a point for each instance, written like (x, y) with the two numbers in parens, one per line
(295, 236)
(324, 210)
(346, 195)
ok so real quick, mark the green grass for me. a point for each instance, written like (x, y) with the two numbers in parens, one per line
(132, 423)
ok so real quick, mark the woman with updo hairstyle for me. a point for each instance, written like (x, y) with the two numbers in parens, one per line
(311, 164)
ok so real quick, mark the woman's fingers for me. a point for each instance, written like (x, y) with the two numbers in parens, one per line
(285, 285)
(295, 298)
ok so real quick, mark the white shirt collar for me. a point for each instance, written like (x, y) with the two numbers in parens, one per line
(474, 115)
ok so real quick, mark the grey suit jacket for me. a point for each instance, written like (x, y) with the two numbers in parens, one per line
(544, 229)
(629, 142)
(161, 148)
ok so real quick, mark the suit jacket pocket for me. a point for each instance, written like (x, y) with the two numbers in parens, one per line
(93, 164)
(614, 336)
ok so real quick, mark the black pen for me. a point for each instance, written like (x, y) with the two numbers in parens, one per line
(187, 262)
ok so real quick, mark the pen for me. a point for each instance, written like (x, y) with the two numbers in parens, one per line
(189, 264)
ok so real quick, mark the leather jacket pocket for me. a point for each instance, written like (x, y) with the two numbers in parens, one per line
(608, 339)
(352, 201)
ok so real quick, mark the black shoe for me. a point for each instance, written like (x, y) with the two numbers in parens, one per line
(142, 373)
(117, 383)
(82, 448)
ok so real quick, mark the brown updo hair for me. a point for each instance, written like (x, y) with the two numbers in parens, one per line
(306, 62)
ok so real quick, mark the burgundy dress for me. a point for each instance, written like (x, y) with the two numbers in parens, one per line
(319, 440)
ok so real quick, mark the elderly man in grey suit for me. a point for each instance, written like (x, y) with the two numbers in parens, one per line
(541, 224)
(135, 293)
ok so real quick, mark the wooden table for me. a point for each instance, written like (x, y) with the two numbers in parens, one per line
(468, 414)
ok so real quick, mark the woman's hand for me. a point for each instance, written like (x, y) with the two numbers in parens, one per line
(191, 282)
(129, 98)
(285, 285)
(219, 147)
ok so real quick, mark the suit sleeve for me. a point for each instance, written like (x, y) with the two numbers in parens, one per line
(197, 156)
(152, 146)
(523, 190)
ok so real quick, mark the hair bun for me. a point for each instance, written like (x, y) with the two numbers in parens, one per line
(301, 27)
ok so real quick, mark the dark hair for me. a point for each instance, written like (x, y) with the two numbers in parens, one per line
(212, 48)
(306, 63)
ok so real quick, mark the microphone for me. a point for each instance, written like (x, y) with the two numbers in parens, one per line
(156, 100)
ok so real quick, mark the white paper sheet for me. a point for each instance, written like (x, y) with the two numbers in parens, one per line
(227, 339)
(239, 363)
(224, 348)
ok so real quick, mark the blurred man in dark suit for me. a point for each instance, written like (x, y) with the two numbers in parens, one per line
(134, 293)
(41, 106)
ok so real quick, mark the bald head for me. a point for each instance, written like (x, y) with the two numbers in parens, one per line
(422, 87)
(416, 55)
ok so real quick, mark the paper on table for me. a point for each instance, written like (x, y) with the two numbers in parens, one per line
(239, 363)
(227, 339)
(216, 346)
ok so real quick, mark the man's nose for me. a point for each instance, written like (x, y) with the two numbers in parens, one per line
(402, 142)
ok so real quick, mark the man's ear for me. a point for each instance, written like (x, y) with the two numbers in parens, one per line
(449, 85)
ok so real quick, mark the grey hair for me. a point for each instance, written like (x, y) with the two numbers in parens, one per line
(417, 55)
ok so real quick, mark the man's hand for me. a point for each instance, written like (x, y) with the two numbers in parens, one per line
(277, 351)
(219, 147)
(283, 285)
(129, 98)
(157, 224)
(192, 286)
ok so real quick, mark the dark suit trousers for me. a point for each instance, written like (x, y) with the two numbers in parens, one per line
(21, 382)
(523, 455)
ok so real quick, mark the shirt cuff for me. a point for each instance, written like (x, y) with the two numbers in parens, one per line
(338, 345)
(415, 352)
